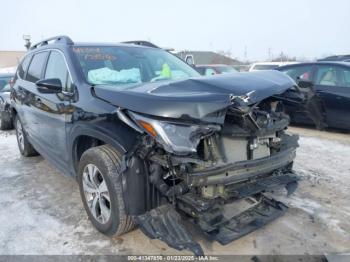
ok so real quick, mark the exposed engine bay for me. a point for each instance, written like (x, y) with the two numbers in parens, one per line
(212, 175)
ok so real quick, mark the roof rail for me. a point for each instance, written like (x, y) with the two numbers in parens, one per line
(141, 42)
(61, 38)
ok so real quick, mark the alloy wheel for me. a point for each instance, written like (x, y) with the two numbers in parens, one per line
(96, 193)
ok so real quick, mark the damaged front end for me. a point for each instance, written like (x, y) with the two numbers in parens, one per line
(214, 175)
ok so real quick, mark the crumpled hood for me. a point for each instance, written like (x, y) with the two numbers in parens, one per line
(196, 98)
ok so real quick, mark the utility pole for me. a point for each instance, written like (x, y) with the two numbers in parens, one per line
(245, 53)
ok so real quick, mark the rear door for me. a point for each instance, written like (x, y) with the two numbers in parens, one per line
(332, 84)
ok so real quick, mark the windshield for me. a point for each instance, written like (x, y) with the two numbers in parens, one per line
(125, 67)
(4, 84)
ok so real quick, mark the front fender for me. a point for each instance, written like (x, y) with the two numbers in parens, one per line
(114, 133)
(123, 138)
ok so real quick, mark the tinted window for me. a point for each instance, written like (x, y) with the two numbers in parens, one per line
(201, 70)
(330, 75)
(36, 67)
(23, 66)
(302, 72)
(56, 68)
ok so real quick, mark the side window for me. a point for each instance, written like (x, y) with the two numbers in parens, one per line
(343, 76)
(296, 72)
(209, 72)
(57, 68)
(36, 67)
(330, 75)
(23, 66)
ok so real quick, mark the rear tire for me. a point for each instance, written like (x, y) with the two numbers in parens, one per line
(24, 146)
(100, 184)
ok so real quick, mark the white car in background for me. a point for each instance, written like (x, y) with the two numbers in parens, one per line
(268, 65)
(8, 70)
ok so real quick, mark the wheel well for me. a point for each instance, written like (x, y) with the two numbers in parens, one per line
(82, 144)
(13, 114)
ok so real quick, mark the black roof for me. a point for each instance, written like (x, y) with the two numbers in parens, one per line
(336, 58)
(63, 40)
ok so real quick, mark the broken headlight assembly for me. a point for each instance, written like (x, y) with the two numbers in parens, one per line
(177, 138)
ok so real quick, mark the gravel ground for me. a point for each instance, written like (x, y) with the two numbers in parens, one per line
(41, 211)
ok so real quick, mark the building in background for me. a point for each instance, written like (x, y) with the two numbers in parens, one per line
(10, 58)
(206, 57)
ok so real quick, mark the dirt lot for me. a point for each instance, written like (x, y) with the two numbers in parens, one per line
(41, 211)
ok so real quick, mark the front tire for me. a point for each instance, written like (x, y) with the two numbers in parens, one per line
(24, 146)
(100, 184)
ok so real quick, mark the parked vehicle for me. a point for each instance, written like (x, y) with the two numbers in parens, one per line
(209, 70)
(152, 143)
(331, 81)
(268, 65)
(5, 110)
(343, 58)
(8, 70)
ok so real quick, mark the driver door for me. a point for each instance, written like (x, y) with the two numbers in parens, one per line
(55, 111)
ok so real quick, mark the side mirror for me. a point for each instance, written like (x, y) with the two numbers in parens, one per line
(49, 86)
(305, 83)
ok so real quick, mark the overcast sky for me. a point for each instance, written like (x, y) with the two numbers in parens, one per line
(301, 28)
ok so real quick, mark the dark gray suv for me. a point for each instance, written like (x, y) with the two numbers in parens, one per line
(152, 143)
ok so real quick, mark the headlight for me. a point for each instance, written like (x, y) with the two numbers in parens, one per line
(175, 138)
